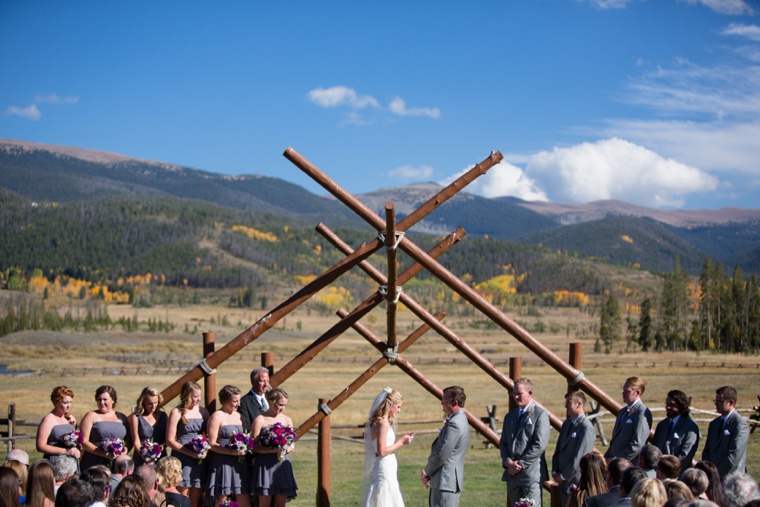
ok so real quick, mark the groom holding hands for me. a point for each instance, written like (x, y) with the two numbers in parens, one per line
(444, 472)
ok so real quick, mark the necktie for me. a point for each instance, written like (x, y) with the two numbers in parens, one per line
(671, 427)
(264, 403)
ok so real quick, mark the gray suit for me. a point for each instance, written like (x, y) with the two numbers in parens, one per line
(445, 466)
(726, 447)
(574, 441)
(630, 433)
(681, 443)
(525, 443)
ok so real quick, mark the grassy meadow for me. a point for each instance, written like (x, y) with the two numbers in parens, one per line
(131, 360)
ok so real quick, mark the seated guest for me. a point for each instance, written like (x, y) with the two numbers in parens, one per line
(615, 469)
(9, 492)
(130, 493)
(628, 481)
(74, 493)
(648, 492)
(21, 471)
(669, 467)
(715, 487)
(123, 466)
(649, 457)
(593, 480)
(739, 489)
(697, 482)
(19, 455)
(169, 470)
(40, 484)
(147, 474)
(678, 490)
(65, 467)
(101, 485)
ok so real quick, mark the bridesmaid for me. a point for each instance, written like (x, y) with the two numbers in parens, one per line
(187, 421)
(272, 478)
(147, 422)
(55, 425)
(228, 469)
(99, 425)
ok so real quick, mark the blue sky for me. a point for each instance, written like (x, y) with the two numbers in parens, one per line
(652, 102)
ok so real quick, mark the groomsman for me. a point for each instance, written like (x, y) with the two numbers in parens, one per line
(677, 434)
(254, 403)
(727, 435)
(576, 438)
(632, 424)
(523, 442)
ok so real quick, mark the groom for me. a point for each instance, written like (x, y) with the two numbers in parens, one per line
(444, 472)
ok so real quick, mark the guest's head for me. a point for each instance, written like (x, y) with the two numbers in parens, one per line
(453, 399)
(169, 470)
(696, 480)
(649, 457)
(703, 503)
(61, 397)
(669, 467)
(130, 493)
(147, 474)
(148, 401)
(715, 485)
(575, 402)
(74, 493)
(9, 490)
(22, 471)
(522, 392)
(19, 455)
(386, 409)
(260, 380)
(40, 484)
(65, 467)
(630, 477)
(678, 490)
(100, 482)
(593, 474)
(633, 389)
(677, 403)
(739, 489)
(615, 469)
(676, 502)
(725, 400)
(648, 492)
(123, 465)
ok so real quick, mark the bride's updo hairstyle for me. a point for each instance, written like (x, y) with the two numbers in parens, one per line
(392, 398)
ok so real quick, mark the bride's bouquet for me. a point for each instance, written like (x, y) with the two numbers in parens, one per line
(229, 503)
(151, 451)
(241, 441)
(72, 439)
(277, 436)
(114, 446)
(200, 445)
(525, 502)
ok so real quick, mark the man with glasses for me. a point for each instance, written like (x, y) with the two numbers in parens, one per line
(727, 435)
(632, 424)
(677, 434)
(523, 442)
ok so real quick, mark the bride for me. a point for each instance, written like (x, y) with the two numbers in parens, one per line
(381, 488)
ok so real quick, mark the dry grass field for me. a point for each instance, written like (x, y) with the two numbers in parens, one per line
(130, 361)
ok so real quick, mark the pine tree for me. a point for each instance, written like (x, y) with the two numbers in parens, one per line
(645, 325)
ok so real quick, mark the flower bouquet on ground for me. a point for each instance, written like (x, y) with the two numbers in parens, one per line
(277, 436)
(72, 439)
(525, 502)
(114, 446)
(241, 442)
(200, 446)
(151, 451)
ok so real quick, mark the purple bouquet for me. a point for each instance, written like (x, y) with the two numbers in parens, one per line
(200, 445)
(150, 450)
(114, 446)
(229, 503)
(72, 439)
(240, 441)
(525, 502)
(277, 436)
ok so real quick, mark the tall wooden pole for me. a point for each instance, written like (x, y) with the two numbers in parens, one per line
(323, 459)
(390, 248)
(515, 372)
(209, 381)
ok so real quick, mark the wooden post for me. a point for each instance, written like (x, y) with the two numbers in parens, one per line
(209, 381)
(323, 459)
(11, 424)
(575, 354)
(515, 372)
(267, 361)
(390, 247)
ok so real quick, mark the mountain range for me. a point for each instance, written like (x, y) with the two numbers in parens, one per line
(613, 231)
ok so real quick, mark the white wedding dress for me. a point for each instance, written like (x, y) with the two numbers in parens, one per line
(382, 488)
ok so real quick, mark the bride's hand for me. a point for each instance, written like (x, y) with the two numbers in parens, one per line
(408, 438)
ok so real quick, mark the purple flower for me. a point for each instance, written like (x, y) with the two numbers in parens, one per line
(150, 450)
(277, 436)
(114, 446)
(72, 439)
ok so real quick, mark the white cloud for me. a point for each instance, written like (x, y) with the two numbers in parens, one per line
(502, 180)
(617, 169)
(341, 96)
(751, 32)
(610, 4)
(398, 106)
(30, 113)
(53, 98)
(407, 172)
(729, 7)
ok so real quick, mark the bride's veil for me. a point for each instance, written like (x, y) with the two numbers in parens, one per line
(369, 449)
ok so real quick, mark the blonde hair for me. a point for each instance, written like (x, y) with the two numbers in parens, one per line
(145, 394)
(169, 470)
(275, 394)
(188, 389)
(381, 412)
(637, 384)
(648, 492)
